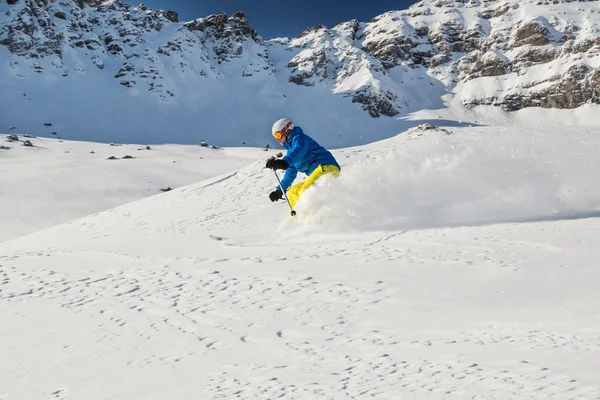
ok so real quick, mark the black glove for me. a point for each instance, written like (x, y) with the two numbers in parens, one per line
(276, 195)
(274, 163)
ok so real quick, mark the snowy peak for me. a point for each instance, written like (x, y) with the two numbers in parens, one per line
(221, 26)
(142, 40)
(504, 53)
(229, 34)
(333, 59)
(38, 28)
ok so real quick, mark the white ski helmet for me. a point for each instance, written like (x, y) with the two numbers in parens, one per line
(282, 127)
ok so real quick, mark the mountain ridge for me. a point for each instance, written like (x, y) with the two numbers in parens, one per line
(161, 79)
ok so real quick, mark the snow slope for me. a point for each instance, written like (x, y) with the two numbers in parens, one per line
(57, 181)
(451, 264)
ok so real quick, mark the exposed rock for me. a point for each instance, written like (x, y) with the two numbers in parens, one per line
(127, 157)
(495, 13)
(227, 35)
(393, 50)
(220, 21)
(448, 37)
(586, 45)
(575, 88)
(309, 30)
(12, 138)
(579, 85)
(473, 39)
(491, 64)
(128, 84)
(308, 65)
(170, 15)
(425, 126)
(537, 55)
(92, 44)
(115, 48)
(225, 26)
(376, 104)
(112, 158)
(301, 79)
(532, 33)
(93, 3)
(27, 143)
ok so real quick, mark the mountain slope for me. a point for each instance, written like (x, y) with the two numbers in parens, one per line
(352, 300)
(56, 181)
(503, 53)
(124, 73)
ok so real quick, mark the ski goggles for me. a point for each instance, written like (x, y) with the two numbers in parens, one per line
(279, 134)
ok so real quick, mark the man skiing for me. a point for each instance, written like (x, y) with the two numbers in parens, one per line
(303, 155)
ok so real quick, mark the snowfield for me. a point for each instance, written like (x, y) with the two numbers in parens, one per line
(442, 264)
(56, 181)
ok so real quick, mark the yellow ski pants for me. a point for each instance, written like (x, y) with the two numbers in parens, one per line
(296, 190)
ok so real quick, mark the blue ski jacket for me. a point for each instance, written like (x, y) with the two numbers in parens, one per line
(304, 155)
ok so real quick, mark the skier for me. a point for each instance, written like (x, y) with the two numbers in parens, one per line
(303, 155)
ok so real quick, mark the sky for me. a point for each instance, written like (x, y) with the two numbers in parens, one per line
(273, 18)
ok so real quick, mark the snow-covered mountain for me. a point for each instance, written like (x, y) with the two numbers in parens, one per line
(109, 71)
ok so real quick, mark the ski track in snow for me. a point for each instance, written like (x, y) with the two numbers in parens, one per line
(138, 302)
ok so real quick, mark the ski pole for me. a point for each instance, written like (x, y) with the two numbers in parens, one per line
(284, 194)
